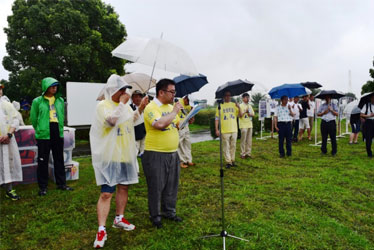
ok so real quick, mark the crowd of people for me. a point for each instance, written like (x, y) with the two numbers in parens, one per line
(128, 125)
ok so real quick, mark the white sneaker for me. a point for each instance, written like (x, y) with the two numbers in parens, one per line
(124, 224)
(100, 239)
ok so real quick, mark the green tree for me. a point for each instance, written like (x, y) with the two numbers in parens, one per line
(369, 86)
(66, 39)
(255, 98)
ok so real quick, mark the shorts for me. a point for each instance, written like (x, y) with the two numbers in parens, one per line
(304, 123)
(356, 127)
(108, 189)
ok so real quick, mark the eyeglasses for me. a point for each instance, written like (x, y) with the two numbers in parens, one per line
(173, 92)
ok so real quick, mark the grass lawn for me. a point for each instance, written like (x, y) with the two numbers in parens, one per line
(308, 201)
(197, 127)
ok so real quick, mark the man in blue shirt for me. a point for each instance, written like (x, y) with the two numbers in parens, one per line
(328, 112)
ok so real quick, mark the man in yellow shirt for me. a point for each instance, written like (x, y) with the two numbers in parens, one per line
(246, 127)
(160, 159)
(229, 128)
(184, 149)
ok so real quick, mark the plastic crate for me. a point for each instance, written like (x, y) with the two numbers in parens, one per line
(71, 170)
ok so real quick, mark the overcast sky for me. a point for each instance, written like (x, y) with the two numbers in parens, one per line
(269, 42)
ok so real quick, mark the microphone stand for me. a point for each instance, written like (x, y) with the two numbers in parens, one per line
(223, 233)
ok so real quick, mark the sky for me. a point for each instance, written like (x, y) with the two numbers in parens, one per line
(268, 42)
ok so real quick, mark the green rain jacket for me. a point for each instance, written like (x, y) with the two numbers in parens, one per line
(39, 114)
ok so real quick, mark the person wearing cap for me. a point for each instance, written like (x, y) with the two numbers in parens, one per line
(160, 159)
(113, 150)
(47, 118)
(283, 125)
(304, 121)
(140, 132)
(367, 112)
(184, 148)
(229, 128)
(10, 161)
(246, 127)
(328, 112)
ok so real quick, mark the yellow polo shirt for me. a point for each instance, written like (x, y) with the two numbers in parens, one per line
(52, 109)
(229, 114)
(187, 108)
(246, 121)
(165, 140)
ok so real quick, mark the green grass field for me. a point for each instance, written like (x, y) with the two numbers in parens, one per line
(308, 201)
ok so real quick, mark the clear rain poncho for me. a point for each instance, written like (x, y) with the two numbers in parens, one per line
(10, 161)
(112, 138)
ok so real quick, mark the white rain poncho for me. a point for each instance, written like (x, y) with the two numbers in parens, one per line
(10, 161)
(112, 138)
(17, 106)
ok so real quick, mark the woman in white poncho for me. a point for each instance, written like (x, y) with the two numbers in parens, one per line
(113, 151)
(10, 161)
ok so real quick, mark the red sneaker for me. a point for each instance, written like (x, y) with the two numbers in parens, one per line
(100, 239)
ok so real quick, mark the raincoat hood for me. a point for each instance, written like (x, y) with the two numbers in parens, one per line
(114, 83)
(47, 82)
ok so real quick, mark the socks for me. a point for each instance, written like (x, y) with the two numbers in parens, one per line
(101, 228)
(119, 218)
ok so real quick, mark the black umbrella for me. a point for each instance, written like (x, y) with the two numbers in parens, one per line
(235, 87)
(311, 85)
(333, 93)
(365, 99)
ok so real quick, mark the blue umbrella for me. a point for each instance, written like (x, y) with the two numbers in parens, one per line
(185, 85)
(236, 87)
(288, 89)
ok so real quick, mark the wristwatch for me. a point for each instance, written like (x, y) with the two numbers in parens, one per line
(10, 135)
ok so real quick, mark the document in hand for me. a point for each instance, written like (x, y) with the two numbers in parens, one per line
(193, 112)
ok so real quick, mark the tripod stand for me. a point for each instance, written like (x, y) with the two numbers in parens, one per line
(223, 233)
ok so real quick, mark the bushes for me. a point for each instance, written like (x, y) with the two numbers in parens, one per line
(204, 116)
(256, 126)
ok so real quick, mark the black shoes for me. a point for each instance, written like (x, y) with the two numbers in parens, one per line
(65, 188)
(174, 218)
(228, 165)
(42, 192)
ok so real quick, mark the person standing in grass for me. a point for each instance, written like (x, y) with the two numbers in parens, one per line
(229, 128)
(296, 108)
(328, 112)
(283, 125)
(355, 121)
(160, 160)
(184, 148)
(304, 121)
(113, 151)
(311, 112)
(47, 118)
(10, 161)
(246, 127)
(136, 99)
(367, 113)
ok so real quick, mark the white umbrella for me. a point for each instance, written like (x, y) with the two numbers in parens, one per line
(349, 108)
(139, 81)
(157, 53)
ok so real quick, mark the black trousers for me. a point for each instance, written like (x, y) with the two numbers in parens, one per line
(56, 144)
(295, 128)
(162, 173)
(369, 135)
(285, 132)
(328, 129)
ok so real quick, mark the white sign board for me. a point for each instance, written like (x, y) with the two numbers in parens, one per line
(81, 102)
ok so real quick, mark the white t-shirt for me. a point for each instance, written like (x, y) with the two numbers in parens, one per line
(367, 106)
(295, 110)
(310, 112)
